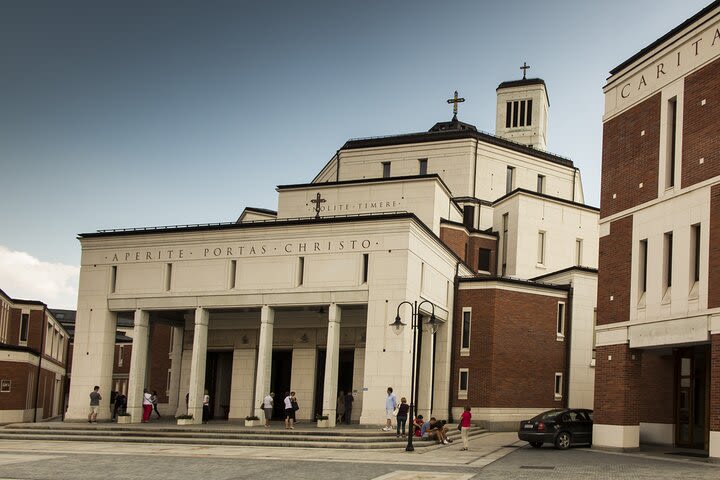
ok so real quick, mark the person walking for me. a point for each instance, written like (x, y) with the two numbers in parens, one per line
(390, 405)
(154, 400)
(402, 416)
(206, 408)
(349, 399)
(340, 407)
(120, 404)
(289, 412)
(95, 398)
(465, 427)
(267, 406)
(147, 406)
(295, 407)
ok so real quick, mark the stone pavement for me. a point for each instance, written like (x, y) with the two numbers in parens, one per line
(491, 455)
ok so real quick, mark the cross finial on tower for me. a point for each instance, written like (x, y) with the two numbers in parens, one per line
(524, 68)
(455, 100)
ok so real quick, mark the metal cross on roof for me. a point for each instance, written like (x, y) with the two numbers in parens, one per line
(455, 100)
(524, 68)
(318, 200)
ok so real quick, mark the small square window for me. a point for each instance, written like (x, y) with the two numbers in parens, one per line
(5, 386)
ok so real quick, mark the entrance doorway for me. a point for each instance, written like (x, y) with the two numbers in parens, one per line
(346, 365)
(280, 377)
(218, 378)
(692, 402)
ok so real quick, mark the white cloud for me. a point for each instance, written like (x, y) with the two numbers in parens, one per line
(24, 276)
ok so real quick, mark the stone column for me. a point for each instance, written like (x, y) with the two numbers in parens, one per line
(138, 364)
(176, 400)
(714, 447)
(332, 359)
(264, 366)
(197, 365)
(617, 397)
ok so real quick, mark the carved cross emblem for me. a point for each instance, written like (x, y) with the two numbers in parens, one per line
(318, 201)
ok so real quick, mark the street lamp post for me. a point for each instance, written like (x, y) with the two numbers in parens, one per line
(416, 325)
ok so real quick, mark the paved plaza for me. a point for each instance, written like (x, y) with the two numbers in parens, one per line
(491, 456)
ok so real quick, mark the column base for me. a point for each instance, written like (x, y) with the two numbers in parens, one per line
(714, 449)
(616, 437)
(657, 433)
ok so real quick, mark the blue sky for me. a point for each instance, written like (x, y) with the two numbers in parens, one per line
(117, 114)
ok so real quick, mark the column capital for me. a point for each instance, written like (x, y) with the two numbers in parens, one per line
(333, 313)
(267, 314)
(201, 316)
(141, 318)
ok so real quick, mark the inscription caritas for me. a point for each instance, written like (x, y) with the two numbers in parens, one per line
(241, 250)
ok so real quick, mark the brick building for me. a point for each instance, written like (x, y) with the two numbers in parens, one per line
(658, 305)
(33, 359)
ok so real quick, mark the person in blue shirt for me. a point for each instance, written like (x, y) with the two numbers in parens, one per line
(390, 405)
(434, 429)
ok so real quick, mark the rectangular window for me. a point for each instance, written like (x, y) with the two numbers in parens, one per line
(505, 221)
(366, 265)
(422, 164)
(49, 339)
(642, 268)
(578, 251)
(541, 248)
(510, 180)
(5, 386)
(541, 184)
(469, 216)
(671, 131)
(668, 259)
(695, 254)
(484, 260)
(508, 114)
(528, 122)
(121, 356)
(386, 169)
(301, 270)
(113, 278)
(561, 319)
(515, 114)
(24, 327)
(465, 336)
(558, 385)
(463, 381)
(168, 276)
(522, 113)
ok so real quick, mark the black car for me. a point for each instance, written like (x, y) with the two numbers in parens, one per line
(561, 427)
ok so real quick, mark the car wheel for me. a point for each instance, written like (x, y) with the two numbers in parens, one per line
(536, 444)
(562, 441)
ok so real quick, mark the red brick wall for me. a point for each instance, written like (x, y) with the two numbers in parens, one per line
(617, 385)
(17, 373)
(657, 385)
(514, 352)
(38, 324)
(127, 354)
(701, 124)
(614, 265)
(630, 158)
(14, 327)
(715, 383)
(455, 239)
(160, 359)
(476, 243)
(714, 254)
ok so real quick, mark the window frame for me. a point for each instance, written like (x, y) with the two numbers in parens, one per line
(24, 328)
(542, 242)
(422, 166)
(465, 351)
(386, 170)
(560, 320)
(558, 386)
(463, 393)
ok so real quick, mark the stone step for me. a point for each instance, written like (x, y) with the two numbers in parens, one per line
(260, 438)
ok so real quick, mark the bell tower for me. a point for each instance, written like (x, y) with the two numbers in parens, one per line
(522, 111)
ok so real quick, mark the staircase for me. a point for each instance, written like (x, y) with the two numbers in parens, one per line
(307, 437)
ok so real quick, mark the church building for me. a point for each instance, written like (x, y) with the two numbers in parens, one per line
(489, 234)
(658, 334)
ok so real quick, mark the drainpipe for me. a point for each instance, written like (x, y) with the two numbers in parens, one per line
(453, 344)
(40, 354)
(568, 346)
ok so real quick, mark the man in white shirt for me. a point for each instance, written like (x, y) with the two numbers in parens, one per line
(289, 412)
(267, 406)
(390, 404)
